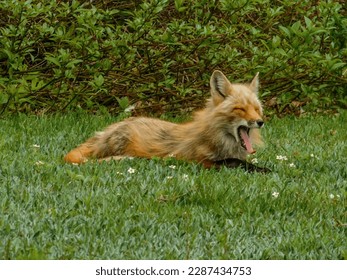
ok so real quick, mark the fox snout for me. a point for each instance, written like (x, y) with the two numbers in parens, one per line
(256, 124)
(243, 134)
(260, 123)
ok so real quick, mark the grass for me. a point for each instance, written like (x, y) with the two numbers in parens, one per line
(164, 209)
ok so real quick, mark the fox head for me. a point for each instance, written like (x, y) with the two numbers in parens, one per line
(240, 108)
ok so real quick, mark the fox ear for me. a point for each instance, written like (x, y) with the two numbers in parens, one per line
(255, 84)
(220, 87)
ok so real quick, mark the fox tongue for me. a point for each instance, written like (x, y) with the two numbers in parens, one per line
(246, 140)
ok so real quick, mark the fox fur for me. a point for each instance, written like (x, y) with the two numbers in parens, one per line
(223, 133)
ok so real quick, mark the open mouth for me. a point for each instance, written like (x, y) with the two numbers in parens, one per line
(243, 132)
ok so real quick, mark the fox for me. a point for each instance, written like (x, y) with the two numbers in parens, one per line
(224, 133)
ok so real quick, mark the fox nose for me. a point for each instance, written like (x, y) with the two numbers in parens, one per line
(260, 123)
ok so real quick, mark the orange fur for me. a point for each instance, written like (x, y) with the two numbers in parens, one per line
(79, 154)
(227, 128)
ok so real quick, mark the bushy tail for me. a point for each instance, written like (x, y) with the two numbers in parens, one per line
(80, 154)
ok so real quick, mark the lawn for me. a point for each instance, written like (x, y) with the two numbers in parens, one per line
(166, 209)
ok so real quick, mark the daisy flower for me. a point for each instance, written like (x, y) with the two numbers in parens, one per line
(131, 170)
(275, 194)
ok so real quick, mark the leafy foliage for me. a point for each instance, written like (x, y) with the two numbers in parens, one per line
(159, 54)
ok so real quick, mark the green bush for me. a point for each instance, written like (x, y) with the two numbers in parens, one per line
(159, 54)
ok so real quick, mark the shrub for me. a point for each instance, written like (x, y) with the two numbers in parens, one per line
(159, 54)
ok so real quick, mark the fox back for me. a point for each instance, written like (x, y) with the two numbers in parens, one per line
(228, 127)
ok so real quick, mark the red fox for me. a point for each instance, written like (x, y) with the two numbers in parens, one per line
(223, 133)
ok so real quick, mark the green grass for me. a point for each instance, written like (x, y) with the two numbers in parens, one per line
(51, 210)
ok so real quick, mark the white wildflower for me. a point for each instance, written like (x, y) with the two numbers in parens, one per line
(281, 157)
(169, 177)
(131, 170)
(331, 196)
(254, 160)
(313, 156)
(172, 166)
(292, 165)
(275, 194)
(36, 146)
(39, 162)
(185, 177)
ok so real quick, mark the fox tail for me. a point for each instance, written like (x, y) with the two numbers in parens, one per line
(80, 154)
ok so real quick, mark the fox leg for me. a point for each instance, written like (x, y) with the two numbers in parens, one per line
(83, 152)
(235, 163)
(107, 159)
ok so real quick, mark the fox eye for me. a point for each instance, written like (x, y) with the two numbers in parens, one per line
(240, 109)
